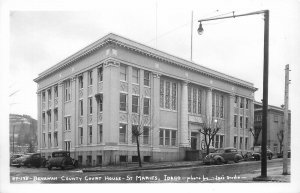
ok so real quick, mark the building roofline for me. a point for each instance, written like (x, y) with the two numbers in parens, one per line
(141, 48)
(270, 107)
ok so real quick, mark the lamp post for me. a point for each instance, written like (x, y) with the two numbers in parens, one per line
(265, 82)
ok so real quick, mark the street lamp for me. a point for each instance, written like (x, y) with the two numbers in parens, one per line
(265, 82)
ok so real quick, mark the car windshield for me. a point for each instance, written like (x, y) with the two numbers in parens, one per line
(59, 154)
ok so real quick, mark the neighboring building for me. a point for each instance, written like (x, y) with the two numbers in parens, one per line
(275, 126)
(22, 133)
(89, 103)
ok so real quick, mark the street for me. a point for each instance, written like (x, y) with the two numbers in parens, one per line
(240, 172)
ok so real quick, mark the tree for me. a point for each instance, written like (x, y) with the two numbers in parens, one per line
(139, 122)
(255, 132)
(280, 136)
(209, 129)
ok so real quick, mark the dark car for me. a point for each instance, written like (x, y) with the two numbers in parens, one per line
(257, 153)
(62, 160)
(280, 155)
(30, 159)
(13, 157)
(223, 156)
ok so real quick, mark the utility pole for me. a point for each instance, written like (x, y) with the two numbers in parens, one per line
(286, 120)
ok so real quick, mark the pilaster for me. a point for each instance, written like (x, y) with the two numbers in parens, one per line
(111, 107)
(209, 104)
(229, 134)
(73, 117)
(155, 110)
(39, 122)
(94, 116)
(184, 133)
(60, 115)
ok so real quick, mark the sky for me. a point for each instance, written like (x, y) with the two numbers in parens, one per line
(41, 38)
(37, 34)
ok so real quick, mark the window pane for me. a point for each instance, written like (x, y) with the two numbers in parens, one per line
(135, 75)
(135, 104)
(174, 97)
(122, 133)
(167, 137)
(161, 137)
(146, 78)
(123, 102)
(189, 99)
(162, 88)
(122, 72)
(146, 135)
(174, 137)
(146, 106)
(167, 102)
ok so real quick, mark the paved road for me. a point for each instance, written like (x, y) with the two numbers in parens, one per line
(241, 172)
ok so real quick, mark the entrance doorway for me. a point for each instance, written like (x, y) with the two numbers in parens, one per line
(194, 141)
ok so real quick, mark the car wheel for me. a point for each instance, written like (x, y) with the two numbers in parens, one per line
(219, 161)
(236, 160)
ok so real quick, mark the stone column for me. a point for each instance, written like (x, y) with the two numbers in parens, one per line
(229, 133)
(73, 114)
(155, 111)
(209, 104)
(184, 132)
(111, 98)
(60, 113)
(95, 113)
(129, 100)
(39, 123)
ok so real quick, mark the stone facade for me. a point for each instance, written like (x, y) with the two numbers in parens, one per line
(89, 103)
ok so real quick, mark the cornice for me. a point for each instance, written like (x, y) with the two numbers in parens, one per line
(147, 51)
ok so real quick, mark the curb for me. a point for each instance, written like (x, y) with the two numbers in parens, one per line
(139, 169)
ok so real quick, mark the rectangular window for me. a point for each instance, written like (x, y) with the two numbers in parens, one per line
(90, 73)
(67, 90)
(99, 99)
(135, 75)
(49, 116)
(146, 135)
(80, 135)
(221, 141)
(167, 137)
(236, 98)
(123, 102)
(246, 143)
(194, 100)
(123, 73)
(90, 134)
(222, 107)
(213, 103)
(162, 93)
(134, 129)
(189, 99)
(235, 141)
(168, 93)
(55, 114)
(90, 105)
(67, 123)
(146, 106)
(174, 95)
(146, 78)
(174, 138)
(89, 160)
(43, 97)
(199, 101)
(247, 103)
(122, 133)
(242, 103)
(44, 140)
(55, 91)
(235, 121)
(217, 105)
(135, 104)
(80, 79)
(161, 137)
(241, 143)
(241, 122)
(100, 134)
(99, 160)
(81, 107)
(67, 145)
(49, 95)
(55, 139)
(246, 122)
(100, 74)
(49, 140)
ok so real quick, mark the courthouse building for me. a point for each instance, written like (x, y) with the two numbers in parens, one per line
(89, 103)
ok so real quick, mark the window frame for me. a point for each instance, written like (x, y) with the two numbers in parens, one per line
(146, 78)
(123, 105)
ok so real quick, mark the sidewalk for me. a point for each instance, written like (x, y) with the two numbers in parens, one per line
(273, 175)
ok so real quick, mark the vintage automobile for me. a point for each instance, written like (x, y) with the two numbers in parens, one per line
(62, 160)
(30, 159)
(223, 156)
(257, 153)
(13, 157)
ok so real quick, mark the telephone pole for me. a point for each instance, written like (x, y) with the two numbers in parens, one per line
(286, 120)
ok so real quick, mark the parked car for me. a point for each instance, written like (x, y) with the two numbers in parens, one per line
(62, 160)
(30, 159)
(223, 156)
(280, 155)
(13, 157)
(257, 153)
(248, 156)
